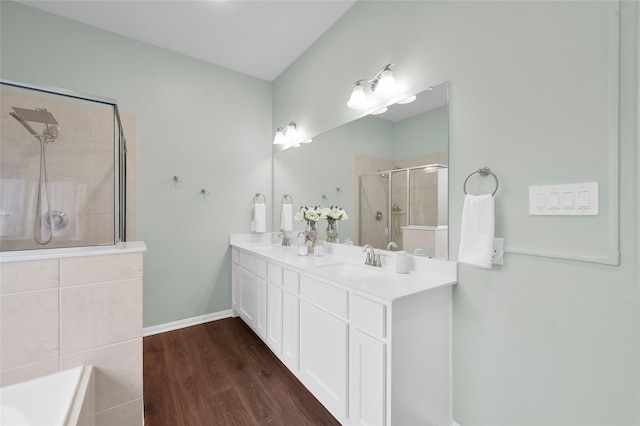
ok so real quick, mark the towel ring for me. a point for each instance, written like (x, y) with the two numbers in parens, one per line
(256, 198)
(287, 197)
(484, 172)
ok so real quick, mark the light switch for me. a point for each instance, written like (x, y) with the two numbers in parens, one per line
(567, 200)
(564, 199)
(583, 199)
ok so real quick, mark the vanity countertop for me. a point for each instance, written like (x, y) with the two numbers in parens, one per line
(345, 266)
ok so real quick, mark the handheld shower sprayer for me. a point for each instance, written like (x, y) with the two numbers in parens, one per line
(48, 135)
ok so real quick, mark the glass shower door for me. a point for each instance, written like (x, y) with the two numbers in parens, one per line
(374, 207)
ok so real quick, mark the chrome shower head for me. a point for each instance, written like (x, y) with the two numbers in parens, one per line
(24, 123)
(38, 115)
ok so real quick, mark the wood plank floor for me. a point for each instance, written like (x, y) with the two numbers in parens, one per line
(221, 373)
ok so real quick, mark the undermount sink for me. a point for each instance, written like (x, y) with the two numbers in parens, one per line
(351, 270)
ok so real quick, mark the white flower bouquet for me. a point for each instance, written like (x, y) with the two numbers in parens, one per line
(334, 213)
(313, 214)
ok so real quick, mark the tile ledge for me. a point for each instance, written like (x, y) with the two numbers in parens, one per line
(58, 253)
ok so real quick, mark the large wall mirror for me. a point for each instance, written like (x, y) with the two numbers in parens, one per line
(389, 172)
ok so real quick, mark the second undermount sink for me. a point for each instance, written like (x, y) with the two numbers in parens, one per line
(351, 270)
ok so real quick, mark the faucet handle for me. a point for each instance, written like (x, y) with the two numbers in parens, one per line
(378, 261)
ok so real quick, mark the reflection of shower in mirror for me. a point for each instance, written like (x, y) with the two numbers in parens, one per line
(414, 200)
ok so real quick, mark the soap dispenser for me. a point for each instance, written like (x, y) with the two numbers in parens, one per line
(402, 262)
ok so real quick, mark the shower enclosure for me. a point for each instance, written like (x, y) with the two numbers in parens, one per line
(407, 206)
(62, 169)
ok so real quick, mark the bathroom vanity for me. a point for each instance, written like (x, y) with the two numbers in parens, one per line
(372, 345)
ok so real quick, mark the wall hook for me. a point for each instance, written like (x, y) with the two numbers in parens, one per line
(176, 179)
(204, 192)
(324, 196)
(338, 189)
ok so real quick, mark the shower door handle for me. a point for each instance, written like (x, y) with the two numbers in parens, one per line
(378, 216)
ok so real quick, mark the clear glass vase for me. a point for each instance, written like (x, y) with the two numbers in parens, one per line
(311, 236)
(332, 231)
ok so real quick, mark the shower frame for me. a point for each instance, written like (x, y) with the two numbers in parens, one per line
(120, 186)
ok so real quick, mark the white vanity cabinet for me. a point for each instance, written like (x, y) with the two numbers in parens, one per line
(324, 352)
(249, 290)
(266, 295)
(291, 320)
(371, 355)
(367, 362)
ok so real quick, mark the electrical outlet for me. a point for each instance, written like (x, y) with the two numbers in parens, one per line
(497, 256)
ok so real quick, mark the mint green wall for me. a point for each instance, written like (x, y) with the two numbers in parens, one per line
(206, 124)
(541, 340)
(427, 133)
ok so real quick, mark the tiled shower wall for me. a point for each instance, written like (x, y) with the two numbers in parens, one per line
(62, 313)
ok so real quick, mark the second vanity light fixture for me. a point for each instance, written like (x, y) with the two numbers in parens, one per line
(289, 137)
(383, 85)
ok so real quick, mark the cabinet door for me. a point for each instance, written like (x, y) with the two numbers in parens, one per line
(291, 331)
(260, 320)
(367, 373)
(323, 357)
(274, 318)
(246, 295)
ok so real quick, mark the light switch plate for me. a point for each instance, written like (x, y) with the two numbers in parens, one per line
(572, 199)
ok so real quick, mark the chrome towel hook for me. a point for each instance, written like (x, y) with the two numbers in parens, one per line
(484, 172)
(256, 198)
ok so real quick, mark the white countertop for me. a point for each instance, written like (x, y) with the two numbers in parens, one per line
(383, 283)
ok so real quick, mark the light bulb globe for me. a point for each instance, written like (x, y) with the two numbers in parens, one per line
(358, 99)
(386, 86)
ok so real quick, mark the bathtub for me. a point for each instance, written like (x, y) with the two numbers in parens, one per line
(60, 399)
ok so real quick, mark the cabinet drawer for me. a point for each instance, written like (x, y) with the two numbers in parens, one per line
(275, 274)
(326, 296)
(368, 315)
(247, 261)
(292, 281)
(261, 268)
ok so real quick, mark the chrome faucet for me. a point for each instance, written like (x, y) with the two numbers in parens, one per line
(285, 239)
(391, 246)
(372, 258)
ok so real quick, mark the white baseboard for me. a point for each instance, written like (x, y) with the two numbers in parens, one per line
(187, 322)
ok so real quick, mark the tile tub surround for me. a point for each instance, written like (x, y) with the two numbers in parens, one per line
(64, 308)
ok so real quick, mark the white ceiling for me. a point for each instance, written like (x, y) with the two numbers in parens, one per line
(258, 38)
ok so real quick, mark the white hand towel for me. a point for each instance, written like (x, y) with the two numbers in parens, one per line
(286, 218)
(477, 231)
(259, 217)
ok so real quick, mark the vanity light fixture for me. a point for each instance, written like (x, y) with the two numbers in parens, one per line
(289, 137)
(380, 111)
(383, 85)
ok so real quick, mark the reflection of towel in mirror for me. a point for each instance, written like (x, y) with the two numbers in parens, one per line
(477, 231)
(259, 217)
(286, 218)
